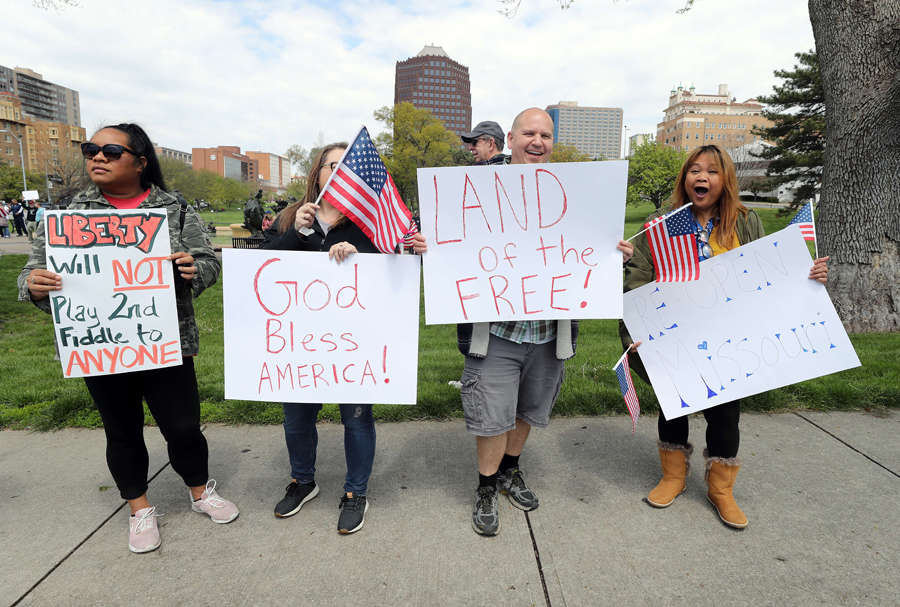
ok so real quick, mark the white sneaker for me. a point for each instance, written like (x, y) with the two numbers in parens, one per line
(143, 533)
(219, 509)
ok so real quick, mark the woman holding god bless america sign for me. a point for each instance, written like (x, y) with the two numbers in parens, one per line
(125, 172)
(317, 225)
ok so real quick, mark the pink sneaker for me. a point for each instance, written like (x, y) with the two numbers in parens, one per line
(143, 534)
(220, 510)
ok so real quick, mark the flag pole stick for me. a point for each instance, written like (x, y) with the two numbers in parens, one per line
(663, 217)
(627, 350)
(815, 235)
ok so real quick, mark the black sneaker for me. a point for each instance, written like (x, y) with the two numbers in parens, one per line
(512, 484)
(485, 517)
(353, 513)
(295, 496)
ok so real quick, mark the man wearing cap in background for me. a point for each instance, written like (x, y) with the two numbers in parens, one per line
(486, 143)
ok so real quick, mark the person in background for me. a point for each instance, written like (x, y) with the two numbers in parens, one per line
(485, 142)
(122, 164)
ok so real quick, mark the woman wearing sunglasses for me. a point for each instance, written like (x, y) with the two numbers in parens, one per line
(708, 180)
(125, 172)
(307, 226)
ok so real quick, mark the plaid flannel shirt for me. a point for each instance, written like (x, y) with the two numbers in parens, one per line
(525, 331)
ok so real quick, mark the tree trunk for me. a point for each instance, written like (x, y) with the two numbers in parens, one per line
(858, 219)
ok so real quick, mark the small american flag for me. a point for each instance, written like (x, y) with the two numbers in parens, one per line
(673, 246)
(623, 374)
(804, 218)
(362, 189)
(411, 232)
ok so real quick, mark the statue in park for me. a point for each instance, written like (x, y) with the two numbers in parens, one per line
(253, 216)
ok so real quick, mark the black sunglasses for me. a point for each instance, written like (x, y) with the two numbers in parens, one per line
(111, 151)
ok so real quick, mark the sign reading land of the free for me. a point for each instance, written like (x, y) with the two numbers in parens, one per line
(116, 310)
(754, 321)
(302, 328)
(523, 241)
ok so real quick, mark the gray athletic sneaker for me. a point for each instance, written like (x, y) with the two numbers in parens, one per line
(512, 485)
(485, 517)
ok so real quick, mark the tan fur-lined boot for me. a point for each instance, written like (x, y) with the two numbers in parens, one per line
(675, 461)
(720, 475)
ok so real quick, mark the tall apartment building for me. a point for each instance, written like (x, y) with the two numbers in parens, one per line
(172, 154)
(432, 80)
(694, 119)
(273, 170)
(45, 144)
(224, 161)
(595, 131)
(41, 99)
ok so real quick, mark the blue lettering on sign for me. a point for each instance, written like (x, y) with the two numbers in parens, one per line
(674, 326)
(703, 345)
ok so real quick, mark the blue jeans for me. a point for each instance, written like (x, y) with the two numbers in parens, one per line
(359, 443)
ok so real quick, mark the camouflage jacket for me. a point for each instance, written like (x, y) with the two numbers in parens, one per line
(190, 238)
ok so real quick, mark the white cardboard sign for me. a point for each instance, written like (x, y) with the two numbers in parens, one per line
(753, 322)
(116, 311)
(523, 241)
(302, 328)
(30, 195)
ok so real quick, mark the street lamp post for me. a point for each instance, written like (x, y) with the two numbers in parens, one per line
(21, 156)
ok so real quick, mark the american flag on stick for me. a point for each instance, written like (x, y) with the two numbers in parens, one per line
(673, 246)
(804, 218)
(362, 189)
(623, 374)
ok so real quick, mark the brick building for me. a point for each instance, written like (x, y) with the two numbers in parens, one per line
(432, 80)
(693, 119)
(224, 161)
(273, 171)
(45, 144)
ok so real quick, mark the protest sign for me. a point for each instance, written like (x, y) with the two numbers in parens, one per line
(302, 328)
(754, 321)
(116, 311)
(30, 195)
(523, 241)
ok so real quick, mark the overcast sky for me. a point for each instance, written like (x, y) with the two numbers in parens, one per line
(267, 74)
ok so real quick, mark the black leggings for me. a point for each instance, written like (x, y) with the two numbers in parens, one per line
(722, 434)
(174, 401)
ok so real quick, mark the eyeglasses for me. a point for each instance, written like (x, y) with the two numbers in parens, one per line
(331, 166)
(111, 151)
(705, 249)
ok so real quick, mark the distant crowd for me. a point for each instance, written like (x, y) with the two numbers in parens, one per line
(22, 218)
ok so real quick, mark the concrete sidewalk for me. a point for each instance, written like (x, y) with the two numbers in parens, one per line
(821, 491)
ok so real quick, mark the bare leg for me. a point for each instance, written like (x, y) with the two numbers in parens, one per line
(490, 452)
(139, 503)
(516, 438)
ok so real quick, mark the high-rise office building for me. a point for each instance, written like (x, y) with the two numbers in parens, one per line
(432, 80)
(637, 140)
(41, 99)
(694, 119)
(595, 131)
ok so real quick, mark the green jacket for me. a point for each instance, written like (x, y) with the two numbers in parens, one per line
(190, 238)
(639, 270)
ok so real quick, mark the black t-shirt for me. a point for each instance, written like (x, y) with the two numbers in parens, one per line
(31, 214)
(291, 240)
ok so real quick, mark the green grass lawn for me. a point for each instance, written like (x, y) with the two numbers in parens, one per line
(33, 393)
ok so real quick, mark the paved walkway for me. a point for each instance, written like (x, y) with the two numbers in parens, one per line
(821, 491)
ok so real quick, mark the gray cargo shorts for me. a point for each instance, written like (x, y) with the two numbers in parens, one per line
(514, 381)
